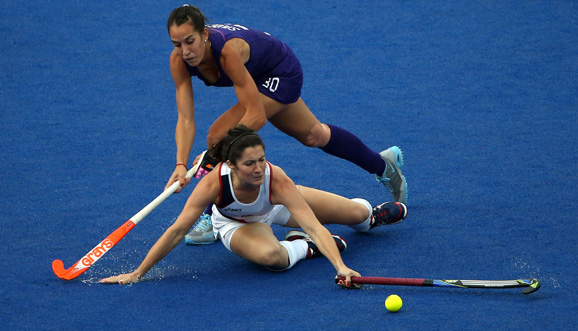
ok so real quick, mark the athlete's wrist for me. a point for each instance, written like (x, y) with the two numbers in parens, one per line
(182, 164)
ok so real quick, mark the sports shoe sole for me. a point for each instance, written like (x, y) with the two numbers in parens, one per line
(207, 239)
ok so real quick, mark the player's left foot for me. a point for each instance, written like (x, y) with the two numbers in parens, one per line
(392, 177)
(202, 233)
(313, 251)
(388, 213)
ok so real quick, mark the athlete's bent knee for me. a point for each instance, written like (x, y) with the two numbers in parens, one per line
(318, 136)
(272, 258)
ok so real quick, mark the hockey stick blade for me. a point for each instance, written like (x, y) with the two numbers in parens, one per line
(531, 285)
(58, 268)
(91, 257)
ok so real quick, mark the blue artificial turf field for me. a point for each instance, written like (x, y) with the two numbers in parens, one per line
(480, 95)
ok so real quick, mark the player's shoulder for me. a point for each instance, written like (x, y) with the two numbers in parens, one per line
(278, 175)
(283, 188)
(174, 57)
(176, 62)
(178, 68)
(275, 167)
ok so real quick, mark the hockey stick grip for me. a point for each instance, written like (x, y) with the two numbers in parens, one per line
(386, 281)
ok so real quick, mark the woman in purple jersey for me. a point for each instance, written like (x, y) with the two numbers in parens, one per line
(249, 195)
(267, 78)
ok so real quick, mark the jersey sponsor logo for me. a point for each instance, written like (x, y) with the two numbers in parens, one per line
(233, 209)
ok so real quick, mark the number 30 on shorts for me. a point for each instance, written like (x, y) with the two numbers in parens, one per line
(272, 84)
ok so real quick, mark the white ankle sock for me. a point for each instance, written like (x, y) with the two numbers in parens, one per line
(297, 250)
(365, 225)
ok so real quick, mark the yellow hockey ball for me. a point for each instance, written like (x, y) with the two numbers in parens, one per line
(393, 303)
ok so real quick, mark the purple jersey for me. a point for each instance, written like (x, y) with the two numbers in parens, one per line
(272, 64)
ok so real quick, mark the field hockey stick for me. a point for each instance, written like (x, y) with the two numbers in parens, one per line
(531, 285)
(104, 246)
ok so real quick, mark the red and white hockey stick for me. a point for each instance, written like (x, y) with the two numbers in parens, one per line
(530, 285)
(104, 246)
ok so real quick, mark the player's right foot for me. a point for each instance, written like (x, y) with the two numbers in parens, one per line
(388, 213)
(392, 177)
(313, 251)
(202, 233)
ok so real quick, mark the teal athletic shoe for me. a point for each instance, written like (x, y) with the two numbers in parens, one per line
(392, 177)
(202, 233)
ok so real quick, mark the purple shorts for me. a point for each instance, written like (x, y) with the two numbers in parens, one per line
(283, 84)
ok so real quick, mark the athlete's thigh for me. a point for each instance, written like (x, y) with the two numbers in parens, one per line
(295, 119)
(223, 123)
(251, 240)
(330, 208)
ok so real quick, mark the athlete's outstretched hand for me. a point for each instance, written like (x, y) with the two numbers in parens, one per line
(123, 279)
(347, 273)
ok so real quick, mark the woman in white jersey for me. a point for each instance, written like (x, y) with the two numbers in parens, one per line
(250, 194)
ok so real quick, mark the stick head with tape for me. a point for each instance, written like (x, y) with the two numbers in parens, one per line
(535, 285)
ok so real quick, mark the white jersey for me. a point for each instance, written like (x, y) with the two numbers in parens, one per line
(233, 209)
